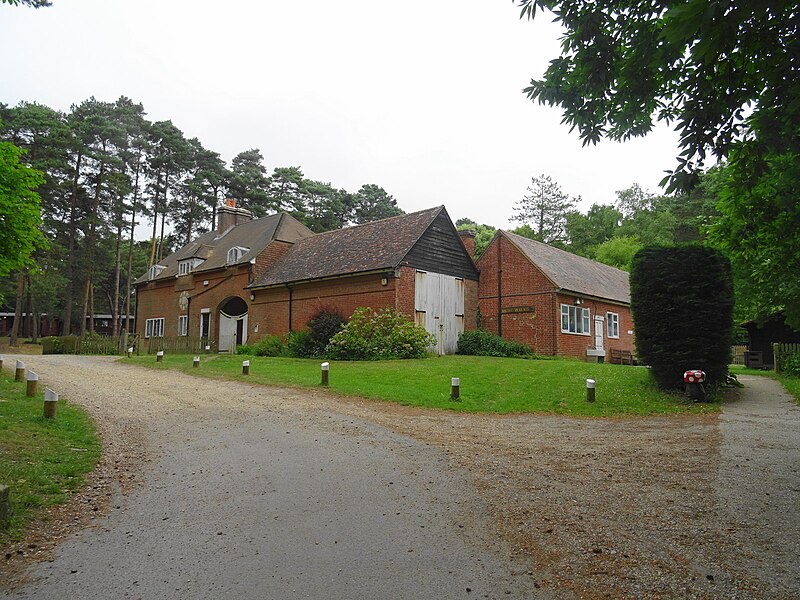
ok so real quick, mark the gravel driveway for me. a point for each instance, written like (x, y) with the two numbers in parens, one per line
(211, 489)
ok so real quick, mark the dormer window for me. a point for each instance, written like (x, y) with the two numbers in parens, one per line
(155, 271)
(236, 253)
(187, 266)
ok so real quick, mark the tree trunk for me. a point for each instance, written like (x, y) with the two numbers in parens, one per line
(18, 310)
(130, 247)
(117, 269)
(73, 209)
(82, 328)
(27, 322)
(155, 224)
(91, 308)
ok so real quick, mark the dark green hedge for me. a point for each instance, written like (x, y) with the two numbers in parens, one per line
(682, 304)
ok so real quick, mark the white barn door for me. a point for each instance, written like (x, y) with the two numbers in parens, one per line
(439, 308)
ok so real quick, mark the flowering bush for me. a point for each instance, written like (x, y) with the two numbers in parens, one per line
(381, 335)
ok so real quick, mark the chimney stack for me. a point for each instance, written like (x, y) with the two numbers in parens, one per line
(229, 215)
(468, 239)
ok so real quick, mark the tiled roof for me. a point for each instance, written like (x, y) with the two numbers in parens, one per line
(213, 247)
(362, 248)
(574, 273)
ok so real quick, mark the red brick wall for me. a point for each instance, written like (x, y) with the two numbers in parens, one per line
(269, 312)
(160, 299)
(405, 292)
(571, 344)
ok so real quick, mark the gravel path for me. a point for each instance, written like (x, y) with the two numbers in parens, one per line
(221, 488)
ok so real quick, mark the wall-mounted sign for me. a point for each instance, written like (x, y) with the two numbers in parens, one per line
(515, 310)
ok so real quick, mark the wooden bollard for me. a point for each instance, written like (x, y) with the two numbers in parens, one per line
(19, 375)
(245, 367)
(1, 362)
(159, 356)
(590, 390)
(130, 352)
(455, 388)
(5, 506)
(195, 362)
(33, 380)
(325, 370)
(50, 403)
(208, 349)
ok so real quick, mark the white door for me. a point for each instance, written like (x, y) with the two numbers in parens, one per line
(232, 331)
(439, 306)
(598, 333)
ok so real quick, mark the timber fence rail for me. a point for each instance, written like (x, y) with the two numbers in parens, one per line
(737, 354)
(95, 344)
(781, 351)
(183, 344)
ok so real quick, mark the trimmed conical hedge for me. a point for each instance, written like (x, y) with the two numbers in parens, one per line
(682, 304)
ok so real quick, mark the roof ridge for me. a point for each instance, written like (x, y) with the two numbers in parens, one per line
(352, 227)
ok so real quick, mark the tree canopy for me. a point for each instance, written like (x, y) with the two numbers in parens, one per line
(19, 210)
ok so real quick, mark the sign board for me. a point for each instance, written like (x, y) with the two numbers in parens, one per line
(513, 310)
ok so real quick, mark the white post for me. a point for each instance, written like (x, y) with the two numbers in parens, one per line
(590, 390)
(130, 352)
(245, 367)
(159, 356)
(196, 362)
(455, 388)
(19, 374)
(50, 403)
(33, 380)
(325, 367)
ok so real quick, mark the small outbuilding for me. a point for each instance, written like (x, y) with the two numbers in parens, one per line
(556, 302)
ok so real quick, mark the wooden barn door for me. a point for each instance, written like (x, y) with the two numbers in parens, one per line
(439, 308)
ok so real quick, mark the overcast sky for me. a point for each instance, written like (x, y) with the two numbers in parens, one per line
(420, 97)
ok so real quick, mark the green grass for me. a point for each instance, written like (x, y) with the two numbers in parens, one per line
(791, 384)
(500, 385)
(42, 460)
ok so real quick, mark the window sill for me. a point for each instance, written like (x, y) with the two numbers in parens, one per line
(575, 333)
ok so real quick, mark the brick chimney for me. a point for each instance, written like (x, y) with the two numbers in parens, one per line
(229, 215)
(468, 239)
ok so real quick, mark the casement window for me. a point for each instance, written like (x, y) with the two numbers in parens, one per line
(183, 325)
(154, 327)
(612, 325)
(575, 319)
(155, 271)
(187, 266)
(236, 253)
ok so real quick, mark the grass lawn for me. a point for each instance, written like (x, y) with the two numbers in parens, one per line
(42, 460)
(792, 384)
(500, 385)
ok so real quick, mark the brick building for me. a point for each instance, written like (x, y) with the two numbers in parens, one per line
(250, 278)
(558, 303)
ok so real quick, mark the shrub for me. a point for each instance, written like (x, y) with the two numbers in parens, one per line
(244, 349)
(270, 345)
(301, 345)
(324, 324)
(386, 334)
(682, 305)
(483, 343)
(791, 364)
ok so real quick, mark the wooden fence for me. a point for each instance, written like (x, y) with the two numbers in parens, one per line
(182, 344)
(94, 344)
(737, 354)
(781, 351)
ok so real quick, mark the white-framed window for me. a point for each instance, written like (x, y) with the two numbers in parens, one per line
(155, 271)
(154, 327)
(235, 253)
(187, 266)
(612, 325)
(575, 319)
(183, 325)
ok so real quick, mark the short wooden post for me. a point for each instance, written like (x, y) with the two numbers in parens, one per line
(455, 388)
(50, 403)
(32, 381)
(130, 352)
(5, 506)
(590, 390)
(208, 349)
(1, 362)
(195, 362)
(325, 370)
(776, 357)
(159, 356)
(19, 375)
(245, 367)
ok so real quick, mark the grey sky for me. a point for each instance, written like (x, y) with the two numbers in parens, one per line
(421, 97)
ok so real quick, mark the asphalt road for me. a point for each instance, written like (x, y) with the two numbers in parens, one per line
(247, 500)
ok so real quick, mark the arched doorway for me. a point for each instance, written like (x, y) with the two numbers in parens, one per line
(232, 323)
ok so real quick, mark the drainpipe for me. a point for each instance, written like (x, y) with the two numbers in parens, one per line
(499, 286)
(291, 291)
